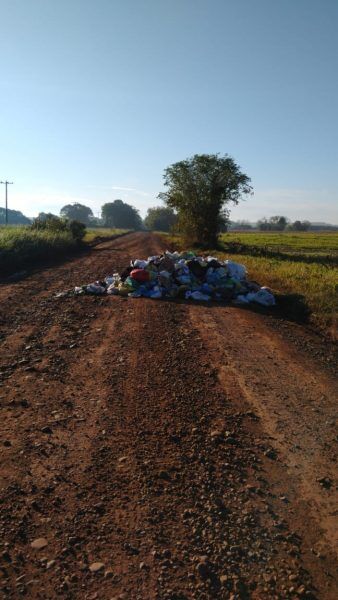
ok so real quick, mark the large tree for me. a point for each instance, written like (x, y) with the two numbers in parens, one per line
(121, 215)
(160, 218)
(199, 189)
(77, 212)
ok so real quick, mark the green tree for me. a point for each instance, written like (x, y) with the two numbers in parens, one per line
(77, 212)
(300, 226)
(42, 216)
(276, 223)
(199, 189)
(15, 217)
(160, 218)
(121, 215)
(240, 225)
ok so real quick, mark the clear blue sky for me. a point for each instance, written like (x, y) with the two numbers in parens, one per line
(99, 96)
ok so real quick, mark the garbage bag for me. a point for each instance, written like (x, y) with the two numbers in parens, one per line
(263, 296)
(140, 275)
(197, 295)
(236, 270)
(182, 275)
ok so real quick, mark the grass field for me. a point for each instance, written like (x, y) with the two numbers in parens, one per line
(304, 244)
(93, 233)
(300, 265)
(22, 247)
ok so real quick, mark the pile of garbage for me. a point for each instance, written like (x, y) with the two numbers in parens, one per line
(183, 275)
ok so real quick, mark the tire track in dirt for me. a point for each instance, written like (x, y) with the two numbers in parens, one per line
(296, 403)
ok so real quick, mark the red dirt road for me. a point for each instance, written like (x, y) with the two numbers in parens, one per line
(161, 450)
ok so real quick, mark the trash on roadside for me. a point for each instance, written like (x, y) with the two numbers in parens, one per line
(182, 275)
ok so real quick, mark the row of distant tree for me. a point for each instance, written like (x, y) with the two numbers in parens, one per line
(117, 214)
(121, 215)
(197, 200)
(276, 223)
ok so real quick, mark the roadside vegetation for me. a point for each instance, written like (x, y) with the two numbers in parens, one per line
(45, 239)
(96, 233)
(301, 269)
(21, 247)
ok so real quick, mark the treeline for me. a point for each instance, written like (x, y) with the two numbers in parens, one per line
(120, 215)
(15, 217)
(117, 215)
(197, 200)
(278, 223)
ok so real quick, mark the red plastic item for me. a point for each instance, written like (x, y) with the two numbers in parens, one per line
(140, 275)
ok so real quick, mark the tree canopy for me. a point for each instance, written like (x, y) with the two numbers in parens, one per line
(78, 212)
(200, 189)
(300, 226)
(121, 215)
(276, 223)
(160, 218)
(15, 217)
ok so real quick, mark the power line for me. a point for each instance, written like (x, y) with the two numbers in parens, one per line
(6, 183)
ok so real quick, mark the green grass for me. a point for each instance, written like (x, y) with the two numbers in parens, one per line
(21, 247)
(97, 232)
(295, 264)
(304, 244)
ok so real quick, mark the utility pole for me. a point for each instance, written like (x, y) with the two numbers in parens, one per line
(6, 183)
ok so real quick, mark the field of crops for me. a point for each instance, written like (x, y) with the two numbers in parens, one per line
(302, 267)
(304, 244)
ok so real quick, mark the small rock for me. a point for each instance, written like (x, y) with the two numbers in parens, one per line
(108, 574)
(39, 543)
(216, 434)
(6, 556)
(325, 482)
(95, 567)
(50, 564)
(270, 454)
(46, 429)
(203, 568)
(231, 440)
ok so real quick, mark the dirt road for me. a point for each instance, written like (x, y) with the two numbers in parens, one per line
(157, 450)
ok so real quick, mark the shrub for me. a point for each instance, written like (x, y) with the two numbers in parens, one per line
(57, 225)
(77, 229)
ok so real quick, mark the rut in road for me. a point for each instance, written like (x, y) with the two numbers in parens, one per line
(152, 440)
